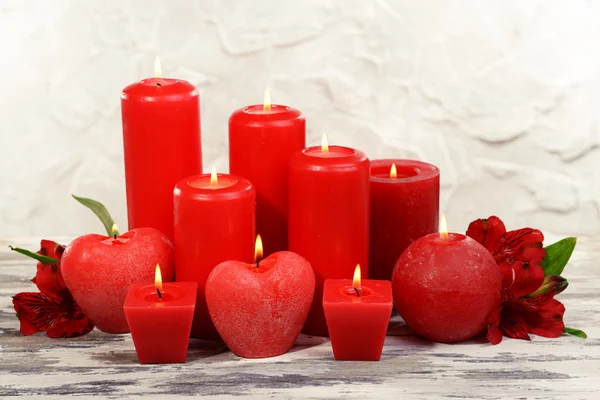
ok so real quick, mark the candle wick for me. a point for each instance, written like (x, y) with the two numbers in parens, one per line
(159, 294)
(115, 236)
(357, 292)
(158, 84)
(258, 262)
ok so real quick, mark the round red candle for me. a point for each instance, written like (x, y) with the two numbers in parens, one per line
(160, 319)
(446, 287)
(214, 222)
(404, 207)
(358, 313)
(161, 139)
(329, 217)
(261, 141)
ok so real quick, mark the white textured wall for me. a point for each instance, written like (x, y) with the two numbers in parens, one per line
(504, 96)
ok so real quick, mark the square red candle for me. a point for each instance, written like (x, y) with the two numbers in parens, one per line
(160, 319)
(357, 314)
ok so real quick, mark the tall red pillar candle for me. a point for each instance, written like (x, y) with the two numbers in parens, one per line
(214, 222)
(329, 217)
(160, 318)
(161, 139)
(261, 140)
(405, 200)
(358, 313)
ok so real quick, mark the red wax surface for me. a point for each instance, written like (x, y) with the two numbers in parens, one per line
(259, 312)
(260, 146)
(357, 324)
(446, 289)
(160, 328)
(98, 271)
(402, 210)
(161, 139)
(329, 217)
(213, 223)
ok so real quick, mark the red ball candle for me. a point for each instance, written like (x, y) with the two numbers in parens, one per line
(259, 309)
(261, 140)
(160, 319)
(214, 222)
(405, 198)
(445, 287)
(358, 313)
(161, 139)
(329, 216)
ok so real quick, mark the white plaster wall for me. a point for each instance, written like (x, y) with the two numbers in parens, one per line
(503, 96)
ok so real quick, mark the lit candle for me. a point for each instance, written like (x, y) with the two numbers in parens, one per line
(261, 140)
(405, 198)
(259, 308)
(329, 216)
(446, 285)
(358, 312)
(214, 222)
(161, 139)
(160, 319)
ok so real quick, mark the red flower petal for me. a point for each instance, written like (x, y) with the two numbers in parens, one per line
(544, 315)
(494, 334)
(512, 323)
(487, 231)
(523, 244)
(49, 278)
(521, 278)
(44, 312)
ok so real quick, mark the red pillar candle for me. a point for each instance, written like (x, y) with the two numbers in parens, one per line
(446, 286)
(160, 318)
(405, 198)
(329, 216)
(214, 222)
(261, 140)
(161, 139)
(358, 313)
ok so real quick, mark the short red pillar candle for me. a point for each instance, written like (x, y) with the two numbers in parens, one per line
(161, 139)
(160, 319)
(445, 286)
(261, 140)
(214, 222)
(329, 217)
(358, 314)
(405, 199)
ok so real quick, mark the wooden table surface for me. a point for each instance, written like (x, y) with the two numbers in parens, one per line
(99, 365)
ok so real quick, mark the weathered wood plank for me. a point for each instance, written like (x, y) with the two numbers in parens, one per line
(105, 365)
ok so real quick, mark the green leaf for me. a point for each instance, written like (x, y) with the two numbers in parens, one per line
(101, 211)
(576, 332)
(36, 256)
(557, 256)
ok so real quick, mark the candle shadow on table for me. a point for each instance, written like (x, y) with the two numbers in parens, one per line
(307, 341)
(199, 349)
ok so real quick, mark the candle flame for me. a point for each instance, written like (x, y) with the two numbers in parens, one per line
(267, 100)
(213, 176)
(356, 279)
(393, 173)
(443, 228)
(157, 68)
(258, 249)
(115, 230)
(324, 145)
(158, 278)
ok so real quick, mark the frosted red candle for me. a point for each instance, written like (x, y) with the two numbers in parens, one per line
(160, 327)
(329, 217)
(260, 145)
(161, 139)
(357, 317)
(403, 209)
(213, 223)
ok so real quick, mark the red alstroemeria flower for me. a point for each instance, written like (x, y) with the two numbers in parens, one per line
(55, 315)
(539, 313)
(518, 253)
(49, 278)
